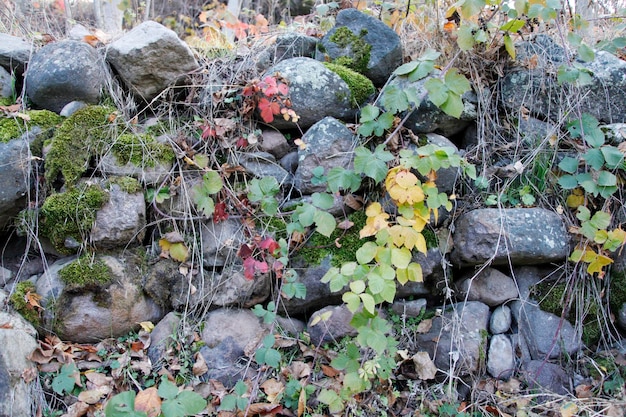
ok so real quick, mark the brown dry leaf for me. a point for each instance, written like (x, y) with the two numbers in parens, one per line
(92, 396)
(512, 386)
(272, 388)
(329, 371)
(224, 125)
(353, 201)
(199, 367)
(614, 411)
(424, 366)
(302, 402)
(149, 402)
(173, 237)
(262, 409)
(77, 409)
(584, 391)
(13, 108)
(345, 224)
(424, 326)
(29, 374)
(6, 326)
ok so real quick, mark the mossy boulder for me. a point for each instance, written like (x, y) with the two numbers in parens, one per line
(360, 86)
(97, 296)
(67, 218)
(14, 127)
(76, 142)
(23, 292)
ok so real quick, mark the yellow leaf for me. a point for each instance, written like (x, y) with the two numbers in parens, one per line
(600, 262)
(575, 199)
(179, 252)
(147, 326)
(569, 409)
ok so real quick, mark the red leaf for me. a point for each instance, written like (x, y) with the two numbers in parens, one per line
(248, 268)
(269, 86)
(220, 212)
(283, 89)
(208, 132)
(267, 110)
(262, 267)
(242, 142)
(244, 252)
(269, 245)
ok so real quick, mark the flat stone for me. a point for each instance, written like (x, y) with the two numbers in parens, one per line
(519, 236)
(500, 358)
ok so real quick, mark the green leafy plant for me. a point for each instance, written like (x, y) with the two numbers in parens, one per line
(201, 193)
(237, 400)
(67, 379)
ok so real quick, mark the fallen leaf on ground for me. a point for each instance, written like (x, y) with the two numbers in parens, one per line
(149, 402)
(272, 388)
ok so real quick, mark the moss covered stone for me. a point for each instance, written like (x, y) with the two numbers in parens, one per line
(360, 86)
(21, 305)
(71, 214)
(129, 185)
(76, 141)
(14, 127)
(141, 150)
(360, 51)
(85, 273)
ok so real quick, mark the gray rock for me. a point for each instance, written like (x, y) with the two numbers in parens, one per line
(315, 92)
(519, 236)
(546, 335)
(489, 286)
(15, 170)
(263, 164)
(274, 142)
(426, 117)
(546, 376)
(19, 340)
(227, 289)
(14, 53)
(92, 314)
(72, 107)
(149, 174)
(386, 49)
(615, 133)
(6, 84)
(6, 276)
(229, 336)
(318, 294)
(286, 46)
(538, 91)
(328, 144)
(330, 324)
(458, 338)
(163, 336)
(121, 221)
(290, 162)
(500, 321)
(65, 71)
(409, 308)
(500, 358)
(150, 58)
(221, 241)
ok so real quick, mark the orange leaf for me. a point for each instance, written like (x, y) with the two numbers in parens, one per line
(329, 371)
(149, 402)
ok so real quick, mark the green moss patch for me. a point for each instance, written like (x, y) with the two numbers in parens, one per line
(14, 127)
(71, 214)
(129, 185)
(141, 150)
(360, 86)
(85, 273)
(76, 141)
(21, 305)
(360, 51)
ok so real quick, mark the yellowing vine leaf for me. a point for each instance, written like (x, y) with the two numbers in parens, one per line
(376, 220)
(175, 250)
(403, 186)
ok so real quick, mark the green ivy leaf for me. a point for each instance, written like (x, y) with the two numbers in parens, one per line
(374, 165)
(167, 390)
(352, 300)
(66, 379)
(325, 222)
(513, 25)
(366, 253)
(469, 8)
(465, 38)
(400, 257)
(394, 99)
(332, 400)
(453, 105)
(368, 302)
(437, 91)
(588, 129)
(600, 220)
(323, 201)
(509, 46)
(586, 53)
(613, 157)
(123, 405)
(369, 113)
(594, 158)
(341, 178)
(569, 165)
(456, 82)
(606, 179)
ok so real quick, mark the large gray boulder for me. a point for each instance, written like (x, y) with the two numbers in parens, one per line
(521, 236)
(329, 144)
(150, 58)
(85, 313)
(18, 339)
(547, 336)
(15, 168)
(65, 71)
(121, 221)
(383, 49)
(285, 46)
(489, 286)
(14, 53)
(537, 90)
(458, 338)
(6, 84)
(315, 92)
(230, 335)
